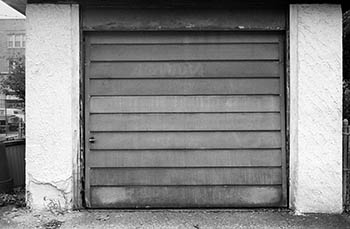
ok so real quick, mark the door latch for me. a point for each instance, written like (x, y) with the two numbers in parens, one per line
(92, 140)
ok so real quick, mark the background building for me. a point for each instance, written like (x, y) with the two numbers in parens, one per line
(12, 47)
(12, 36)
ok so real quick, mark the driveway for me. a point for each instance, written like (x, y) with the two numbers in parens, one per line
(194, 219)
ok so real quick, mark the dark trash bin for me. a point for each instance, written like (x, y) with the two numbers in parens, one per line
(6, 182)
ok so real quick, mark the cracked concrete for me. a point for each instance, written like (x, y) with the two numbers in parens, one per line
(173, 219)
(55, 196)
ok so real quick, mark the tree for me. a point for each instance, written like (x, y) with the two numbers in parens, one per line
(14, 83)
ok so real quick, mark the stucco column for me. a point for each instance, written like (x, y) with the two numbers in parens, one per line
(316, 108)
(52, 104)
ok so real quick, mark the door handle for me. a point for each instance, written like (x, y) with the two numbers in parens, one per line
(92, 140)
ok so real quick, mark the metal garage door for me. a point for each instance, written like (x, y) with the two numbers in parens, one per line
(185, 119)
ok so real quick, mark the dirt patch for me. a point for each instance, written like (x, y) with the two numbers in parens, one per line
(53, 224)
(16, 198)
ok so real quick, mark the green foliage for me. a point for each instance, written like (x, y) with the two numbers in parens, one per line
(14, 83)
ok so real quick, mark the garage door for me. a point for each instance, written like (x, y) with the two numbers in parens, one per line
(184, 119)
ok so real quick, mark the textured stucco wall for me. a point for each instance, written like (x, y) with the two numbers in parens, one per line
(52, 104)
(316, 108)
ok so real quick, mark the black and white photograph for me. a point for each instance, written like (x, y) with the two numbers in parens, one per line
(174, 114)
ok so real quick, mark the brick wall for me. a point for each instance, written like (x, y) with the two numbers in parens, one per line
(9, 26)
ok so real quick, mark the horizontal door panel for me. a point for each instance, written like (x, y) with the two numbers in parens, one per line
(135, 104)
(186, 140)
(181, 37)
(183, 119)
(184, 52)
(186, 196)
(184, 158)
(185, 176)
(185, 122)
(185, 87)
(195, 69)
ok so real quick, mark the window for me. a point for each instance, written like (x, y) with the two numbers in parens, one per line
(16, 41)
(10, 41)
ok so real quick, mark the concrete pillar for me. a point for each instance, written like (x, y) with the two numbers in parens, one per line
(52, 104)
(316, 108)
